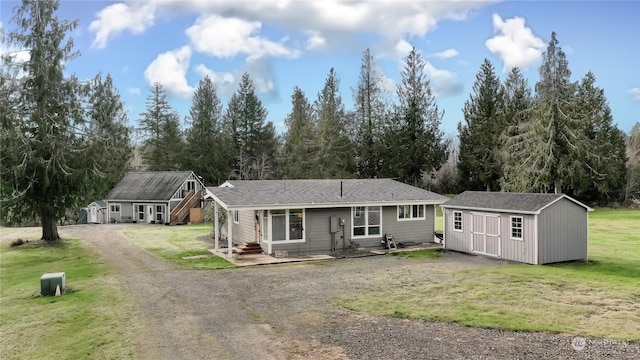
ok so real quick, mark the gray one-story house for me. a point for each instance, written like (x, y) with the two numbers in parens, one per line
(525, 227)
(97, 212)
(157, 197)
(318, 216)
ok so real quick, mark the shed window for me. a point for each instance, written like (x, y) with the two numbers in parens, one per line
(236, 216)
(115, 208)
(457, 220)
(411, 212)
(516, 227)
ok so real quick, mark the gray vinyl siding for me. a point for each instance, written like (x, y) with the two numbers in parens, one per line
(510, 249)
(244, 231)
(454, 239)
(562, 232)
(318, 235)
(514, 249)
(419, 231)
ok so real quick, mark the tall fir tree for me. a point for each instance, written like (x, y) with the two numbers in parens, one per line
(299, 146)
(206, 150)
(254, 140)
(601, 173)
(420, 147)
(517, 109)
(370, 111)
(48, 161)
(479, 163)
(543, 149)
(162, 147)
(109, 144)
(335, 151)
(632, 185)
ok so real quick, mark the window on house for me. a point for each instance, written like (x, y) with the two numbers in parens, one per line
(287, 225)
(457, 220)
(115, 208)
(516, 227)
(236, 216)
(411, 212)
(367, 221)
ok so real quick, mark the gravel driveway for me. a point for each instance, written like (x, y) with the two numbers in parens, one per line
(288, 311)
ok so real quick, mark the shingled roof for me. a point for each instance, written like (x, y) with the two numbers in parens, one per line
(531, 203)
(148, 185)
(320, 193)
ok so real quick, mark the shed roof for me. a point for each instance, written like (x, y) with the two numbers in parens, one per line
(527, 203)
(319, 193)
(148, 185)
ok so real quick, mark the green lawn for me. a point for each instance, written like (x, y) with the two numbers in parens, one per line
(599, 298)
(91, 320)
(174, 243)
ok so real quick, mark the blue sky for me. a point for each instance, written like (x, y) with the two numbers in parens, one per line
(283, 44)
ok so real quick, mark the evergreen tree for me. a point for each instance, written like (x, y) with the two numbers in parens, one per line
(601, 174)
(206, 149)
(299, 140)
(543, 149)
(254, 141)
(421, 147)
(48, 159)
(479, 163)
(517, 108)
(108, 139)
(162, 147)
(335, 152)
(369, 111)
(632, 186)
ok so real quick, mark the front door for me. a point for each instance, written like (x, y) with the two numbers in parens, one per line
(485, 234)
(149, 217)
(94, 215)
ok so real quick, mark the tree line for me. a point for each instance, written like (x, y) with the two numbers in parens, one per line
(66, 142)
(322, 138)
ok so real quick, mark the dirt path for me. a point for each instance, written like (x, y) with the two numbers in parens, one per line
(288, 311)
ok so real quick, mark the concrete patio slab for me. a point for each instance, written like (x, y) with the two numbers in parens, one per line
(262, 259)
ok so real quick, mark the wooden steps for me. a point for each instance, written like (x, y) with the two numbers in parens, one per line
(247, 249)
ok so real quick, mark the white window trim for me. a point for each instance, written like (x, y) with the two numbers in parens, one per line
(366, 222)
(119, 211)
(286, 224)
(461, 222)
(411, 214)
(236, 217)
(521, 238)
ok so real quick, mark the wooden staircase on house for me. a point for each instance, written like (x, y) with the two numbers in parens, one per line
(180, 212)
(247, 249)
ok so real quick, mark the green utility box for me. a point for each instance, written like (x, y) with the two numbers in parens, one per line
(49, 282)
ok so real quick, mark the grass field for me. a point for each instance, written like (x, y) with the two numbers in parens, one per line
(599, 298)
(174, 243)
(90, 321)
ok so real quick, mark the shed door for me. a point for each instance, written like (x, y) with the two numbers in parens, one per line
(94, 215)
(486, 234)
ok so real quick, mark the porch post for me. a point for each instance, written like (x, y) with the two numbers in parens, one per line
(229, 231)
(216, 226)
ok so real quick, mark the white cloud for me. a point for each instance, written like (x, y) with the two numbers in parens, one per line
(228, 37)
(635, 93)
(224, 82)
(443, 82)
(119, 17)
(446, 54)
(515, 43)
(330, 20)
(170, 69)
(315, 41)
(403, 48)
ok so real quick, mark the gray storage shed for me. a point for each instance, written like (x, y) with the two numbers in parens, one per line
(525, 227)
